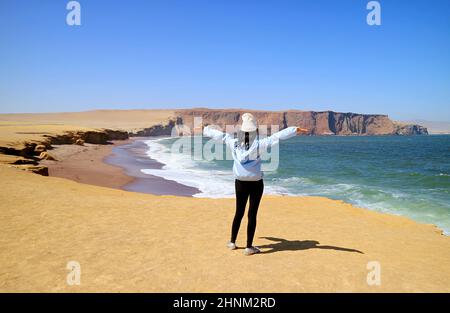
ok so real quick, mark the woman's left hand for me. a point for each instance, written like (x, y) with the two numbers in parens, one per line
(302, 131)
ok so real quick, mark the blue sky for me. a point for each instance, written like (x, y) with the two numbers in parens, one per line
(266, 54)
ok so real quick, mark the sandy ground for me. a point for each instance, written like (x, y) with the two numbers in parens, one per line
(14, 134)
(113, 119)
(127, 241)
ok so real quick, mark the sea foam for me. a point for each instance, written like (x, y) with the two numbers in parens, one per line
(180, 167)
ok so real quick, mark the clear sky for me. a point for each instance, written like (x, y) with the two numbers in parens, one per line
(267, 54)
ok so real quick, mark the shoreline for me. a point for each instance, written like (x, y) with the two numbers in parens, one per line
(131, 157)
(85, 164)
(119, 165)
(115, 166)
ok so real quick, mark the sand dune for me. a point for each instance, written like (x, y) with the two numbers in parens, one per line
(135, 242)
(114, 119)
(32, 127)
(14, 134)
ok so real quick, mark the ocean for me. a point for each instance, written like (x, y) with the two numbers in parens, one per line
(403, 175)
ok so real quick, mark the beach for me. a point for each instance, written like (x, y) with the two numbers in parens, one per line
(113, 166)
(129, 241)
(84, 164)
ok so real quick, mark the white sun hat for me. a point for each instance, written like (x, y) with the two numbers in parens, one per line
(249, 123)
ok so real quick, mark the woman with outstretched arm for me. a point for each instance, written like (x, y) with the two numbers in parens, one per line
(247, 171)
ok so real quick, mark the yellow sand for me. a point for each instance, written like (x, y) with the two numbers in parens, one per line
(135, 242)
(114, 119)
(15, 134)
(16, 129)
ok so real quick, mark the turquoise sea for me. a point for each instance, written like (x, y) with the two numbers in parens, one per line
(404, 175)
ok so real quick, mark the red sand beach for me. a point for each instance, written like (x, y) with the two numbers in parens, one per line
(115, 166)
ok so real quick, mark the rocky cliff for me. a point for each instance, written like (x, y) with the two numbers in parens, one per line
(318, 123)
(26, 155)
(104, 136)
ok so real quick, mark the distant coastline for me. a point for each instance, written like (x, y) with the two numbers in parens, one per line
(433, 127)
(318, 123)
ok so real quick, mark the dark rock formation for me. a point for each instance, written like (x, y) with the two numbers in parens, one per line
(41, 170)
(157, 130)
(411, 130)
(100, 137)
(29, 150)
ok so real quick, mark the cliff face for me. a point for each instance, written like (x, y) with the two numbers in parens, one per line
(318, 123)
(102, 137)
(27, 155)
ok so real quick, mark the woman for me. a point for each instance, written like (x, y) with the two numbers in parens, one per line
(247, 171)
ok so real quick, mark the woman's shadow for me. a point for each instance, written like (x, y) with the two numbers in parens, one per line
(294, 245)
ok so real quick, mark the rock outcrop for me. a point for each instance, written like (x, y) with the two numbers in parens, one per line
(411, 130)
(46, 156)
(318, 123)
(101, 137)
(95, 137)
(39, 149)
(157, 130)
(79, 142)
(28, 154)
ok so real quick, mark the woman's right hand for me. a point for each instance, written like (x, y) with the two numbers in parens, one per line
(302, 131)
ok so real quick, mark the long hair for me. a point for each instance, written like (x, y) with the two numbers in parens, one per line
(246, 139)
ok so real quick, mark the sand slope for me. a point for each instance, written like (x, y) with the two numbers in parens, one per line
(16, 129)
(135, 242)
(113, 119)
(16, 134)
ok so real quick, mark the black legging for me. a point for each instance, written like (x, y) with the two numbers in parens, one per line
(244, 190)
